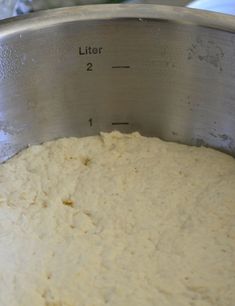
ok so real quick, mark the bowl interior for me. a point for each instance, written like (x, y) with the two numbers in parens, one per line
(159, 70)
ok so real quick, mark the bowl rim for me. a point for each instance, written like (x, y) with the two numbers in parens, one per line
(53, 17)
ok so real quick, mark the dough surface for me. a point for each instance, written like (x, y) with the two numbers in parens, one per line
(117, 220)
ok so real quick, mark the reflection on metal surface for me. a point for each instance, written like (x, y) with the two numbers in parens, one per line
(179, 84)
(9, 8)
(220, 6)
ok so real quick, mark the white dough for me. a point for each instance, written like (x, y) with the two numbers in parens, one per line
(117, 220)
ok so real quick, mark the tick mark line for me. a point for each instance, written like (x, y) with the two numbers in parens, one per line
(121, 67)
(120, 123)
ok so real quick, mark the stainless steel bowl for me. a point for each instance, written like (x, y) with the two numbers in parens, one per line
(164, 71)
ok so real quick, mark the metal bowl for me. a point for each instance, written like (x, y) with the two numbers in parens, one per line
(163, 71)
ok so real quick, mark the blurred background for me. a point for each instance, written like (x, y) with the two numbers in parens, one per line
(9, 8)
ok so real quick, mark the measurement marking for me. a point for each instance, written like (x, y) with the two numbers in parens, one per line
(120, 123)
(121, 67)
(90, 121)
(89, 67)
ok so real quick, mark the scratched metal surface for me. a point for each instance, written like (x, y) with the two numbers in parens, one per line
(163, 71)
